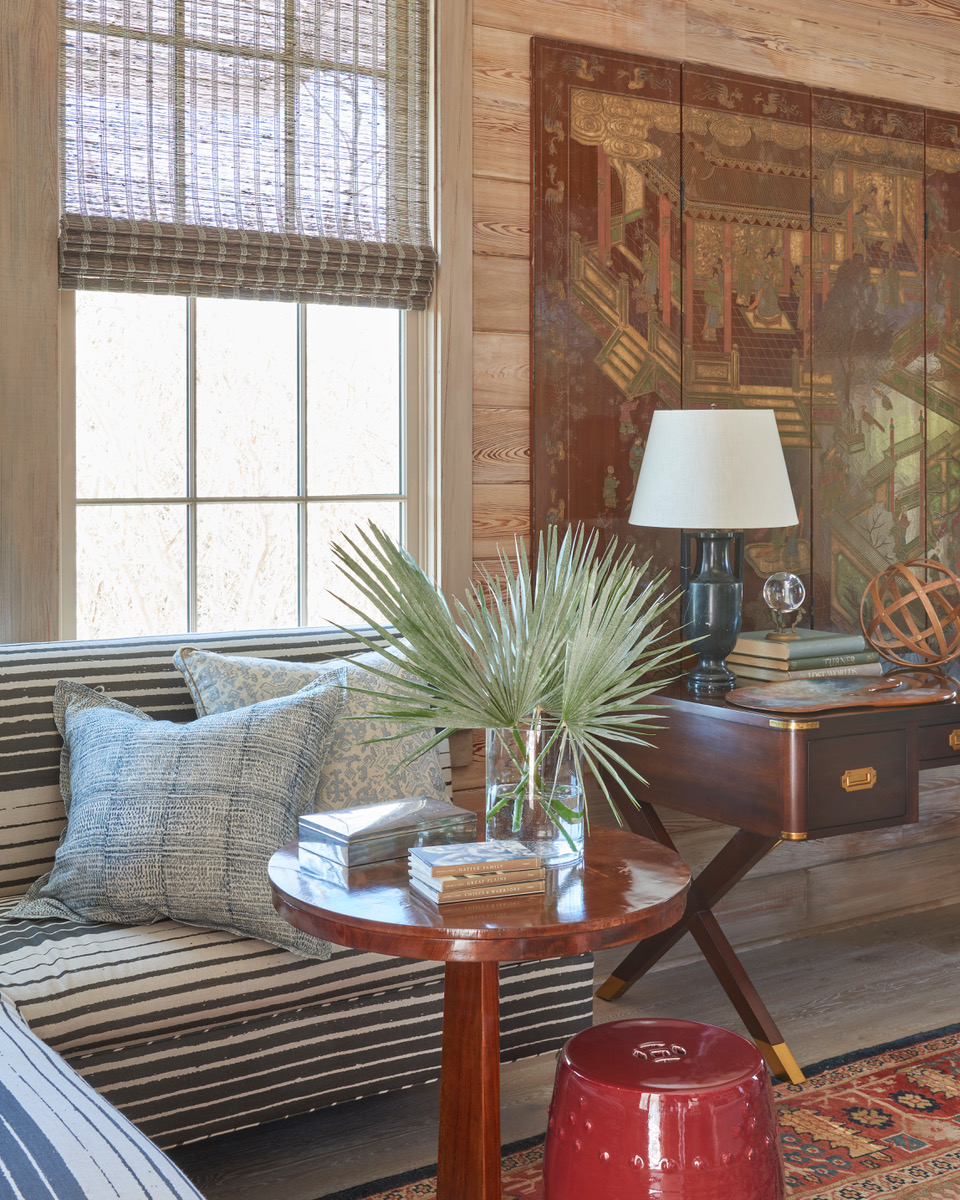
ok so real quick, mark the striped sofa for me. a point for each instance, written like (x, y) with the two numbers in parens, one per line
(192, 1032)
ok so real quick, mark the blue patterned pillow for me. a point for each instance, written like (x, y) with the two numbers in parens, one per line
(167, 820)
(356, 770)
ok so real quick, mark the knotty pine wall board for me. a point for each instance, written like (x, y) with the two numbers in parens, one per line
(501, 218)
(499, 453)
(501, 294)
(501, 67)
(493, 530)
(501, 372)
(501, 142)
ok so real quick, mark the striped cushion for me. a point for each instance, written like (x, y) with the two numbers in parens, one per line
(206, 1083)
(83, 986)
(194, 1032)
(60, 1141)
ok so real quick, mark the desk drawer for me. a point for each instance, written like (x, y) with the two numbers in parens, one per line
(939, 741)
(856, 780)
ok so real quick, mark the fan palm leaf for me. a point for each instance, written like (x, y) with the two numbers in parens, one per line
(573, 642)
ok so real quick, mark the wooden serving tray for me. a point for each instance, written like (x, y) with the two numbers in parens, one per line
(846, 691)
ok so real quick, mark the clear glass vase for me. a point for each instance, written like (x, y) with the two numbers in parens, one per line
(533, 792)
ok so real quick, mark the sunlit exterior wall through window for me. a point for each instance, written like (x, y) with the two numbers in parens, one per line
(221, 445)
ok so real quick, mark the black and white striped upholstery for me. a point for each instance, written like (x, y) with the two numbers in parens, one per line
(59, 1140)
(194, 1032)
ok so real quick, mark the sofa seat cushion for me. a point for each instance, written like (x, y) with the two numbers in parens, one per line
(83, 986)
(60, 1140)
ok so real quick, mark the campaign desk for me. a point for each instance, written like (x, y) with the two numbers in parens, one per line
(775, 777)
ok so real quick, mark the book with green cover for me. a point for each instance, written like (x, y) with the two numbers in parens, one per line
(807, 643)
(789, 665)
(770, 673)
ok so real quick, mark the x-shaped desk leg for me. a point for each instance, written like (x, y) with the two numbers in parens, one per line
(728, 867)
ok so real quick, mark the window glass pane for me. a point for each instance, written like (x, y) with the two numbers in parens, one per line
(327, 523)
(353, 398)
(131, 392)
(246, 398)
(131, 570)
(246, 566)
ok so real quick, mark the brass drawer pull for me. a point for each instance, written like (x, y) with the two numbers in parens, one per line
(955, 739)
(858, 780)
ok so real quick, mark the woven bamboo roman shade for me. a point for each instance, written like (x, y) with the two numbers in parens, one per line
(271, 148)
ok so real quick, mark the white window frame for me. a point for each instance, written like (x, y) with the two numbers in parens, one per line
(414, 493)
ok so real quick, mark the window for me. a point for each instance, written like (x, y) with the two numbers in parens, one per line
(245, 216)
(36, 399)
(220, 446)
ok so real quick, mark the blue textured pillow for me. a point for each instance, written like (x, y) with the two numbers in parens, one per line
(361, 767)
(167, 820)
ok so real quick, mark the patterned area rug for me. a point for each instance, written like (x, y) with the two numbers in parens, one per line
(881, 1122)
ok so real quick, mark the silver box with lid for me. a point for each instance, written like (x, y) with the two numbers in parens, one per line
(371, 833)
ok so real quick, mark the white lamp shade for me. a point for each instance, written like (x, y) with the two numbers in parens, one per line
(713, 468)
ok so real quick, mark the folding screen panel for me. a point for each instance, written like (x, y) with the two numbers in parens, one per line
(746, 221)
(868, 345)
(942, 360)
(704, 238)
(606, 302)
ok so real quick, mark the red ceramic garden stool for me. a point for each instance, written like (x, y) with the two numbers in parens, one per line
(662, 1110)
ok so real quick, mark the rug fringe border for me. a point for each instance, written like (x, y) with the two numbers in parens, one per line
(852, 1056)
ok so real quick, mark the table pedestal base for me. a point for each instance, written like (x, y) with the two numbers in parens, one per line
(468, 1155)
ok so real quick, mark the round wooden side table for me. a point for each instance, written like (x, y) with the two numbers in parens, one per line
(626, 888)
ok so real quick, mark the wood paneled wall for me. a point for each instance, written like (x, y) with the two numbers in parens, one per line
(904, 52)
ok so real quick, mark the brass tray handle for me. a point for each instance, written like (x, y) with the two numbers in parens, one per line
(858, 780)
(955, 739)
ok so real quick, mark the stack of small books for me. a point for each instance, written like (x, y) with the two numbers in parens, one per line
(813, 654)
(474, 871)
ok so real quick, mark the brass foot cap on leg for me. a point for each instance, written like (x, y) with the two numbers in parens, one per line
(780, 1061)
(612, 989)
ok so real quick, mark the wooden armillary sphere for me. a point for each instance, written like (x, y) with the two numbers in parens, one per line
(913, 607)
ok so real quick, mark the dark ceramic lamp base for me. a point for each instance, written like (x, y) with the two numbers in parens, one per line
(711, 614)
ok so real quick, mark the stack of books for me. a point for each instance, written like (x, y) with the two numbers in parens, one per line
(813, 654)
(477, 871)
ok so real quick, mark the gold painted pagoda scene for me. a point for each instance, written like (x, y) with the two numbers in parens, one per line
(705, 238)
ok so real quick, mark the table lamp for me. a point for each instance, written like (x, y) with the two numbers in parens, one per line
(713, 471)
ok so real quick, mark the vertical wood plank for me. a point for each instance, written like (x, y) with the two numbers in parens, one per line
(452, 304)
(29, 359)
